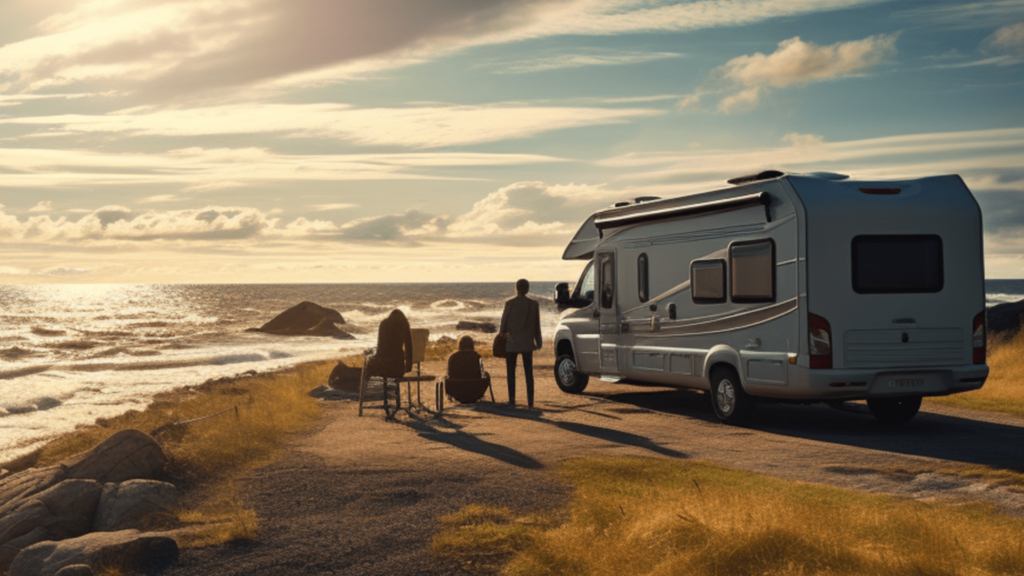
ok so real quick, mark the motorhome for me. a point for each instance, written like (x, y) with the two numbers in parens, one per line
(794, 287)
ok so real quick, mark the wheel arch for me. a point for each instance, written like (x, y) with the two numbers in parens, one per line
(723, 355)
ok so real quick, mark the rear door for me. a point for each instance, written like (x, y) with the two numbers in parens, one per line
(607, 306)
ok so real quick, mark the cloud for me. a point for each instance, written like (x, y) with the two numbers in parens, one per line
(415, 127)
(329, 207)
(1008, 40)
(966, 14)
(42, 206)
(580, 60)
(206, 169)
(796, 62)
(164, 49)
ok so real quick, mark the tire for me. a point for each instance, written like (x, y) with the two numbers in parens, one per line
(894, 410)
(730, 402)
(568, 378)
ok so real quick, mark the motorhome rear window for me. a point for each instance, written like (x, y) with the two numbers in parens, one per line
(707, 281)
(752, 268)
(905, 264)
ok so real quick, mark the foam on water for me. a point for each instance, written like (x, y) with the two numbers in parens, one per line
(70, 354)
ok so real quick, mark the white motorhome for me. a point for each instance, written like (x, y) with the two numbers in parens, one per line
(800, 287)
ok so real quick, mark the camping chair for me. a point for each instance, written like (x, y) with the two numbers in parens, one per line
(419, 347)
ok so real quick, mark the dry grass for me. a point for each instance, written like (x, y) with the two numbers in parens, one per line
(1004, 389)
(258, 415)
(646, 516)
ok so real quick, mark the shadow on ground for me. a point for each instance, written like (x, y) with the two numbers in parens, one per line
(929, 434)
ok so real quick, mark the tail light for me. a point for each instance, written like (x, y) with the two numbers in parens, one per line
(820, 333)
(978, 338)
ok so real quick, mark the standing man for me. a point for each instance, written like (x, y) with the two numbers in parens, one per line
(521, 321)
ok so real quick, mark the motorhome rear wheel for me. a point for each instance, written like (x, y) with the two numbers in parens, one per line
(731, 404)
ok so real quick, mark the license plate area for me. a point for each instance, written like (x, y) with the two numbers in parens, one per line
(905, 382)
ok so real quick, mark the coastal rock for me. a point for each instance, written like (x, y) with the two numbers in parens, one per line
(1006, 317)
(305, 319)
(62, 511)
(127, 455)
(445, 341)
(142, 504)
(128, 550)
(473, 326)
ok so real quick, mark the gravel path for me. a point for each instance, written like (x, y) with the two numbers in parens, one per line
(363, 495)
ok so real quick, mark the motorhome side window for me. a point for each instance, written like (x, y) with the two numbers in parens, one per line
(586, 287)
(643, 278)
(890, 264)
(607, 282)
(707, 281)
(752, 271)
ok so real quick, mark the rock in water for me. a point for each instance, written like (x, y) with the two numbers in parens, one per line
(1006, 317)
(305, 319)
(485, 327)
(128, 550)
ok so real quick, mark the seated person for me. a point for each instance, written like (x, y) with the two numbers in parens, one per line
(394, 348)
(465, 363)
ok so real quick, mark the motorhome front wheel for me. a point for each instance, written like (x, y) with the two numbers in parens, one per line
(567, 377)
(731, 403)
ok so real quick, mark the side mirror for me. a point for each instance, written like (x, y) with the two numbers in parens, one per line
(562, 293)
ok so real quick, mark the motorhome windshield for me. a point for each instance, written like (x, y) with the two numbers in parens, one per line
(897, 264)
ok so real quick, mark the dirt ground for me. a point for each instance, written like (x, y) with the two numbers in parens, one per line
(363, 495)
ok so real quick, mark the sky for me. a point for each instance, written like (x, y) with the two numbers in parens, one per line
(269, 141)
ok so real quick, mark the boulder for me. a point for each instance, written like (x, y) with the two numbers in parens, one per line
(446, 341)
(127, 455)
(76, 570)
(345, 377)
(473, 326)
(1006, 317)
(306, 319)
(142, 504)
(62, 511)
(128, 550)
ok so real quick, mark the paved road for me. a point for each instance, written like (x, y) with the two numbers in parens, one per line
(362, 495)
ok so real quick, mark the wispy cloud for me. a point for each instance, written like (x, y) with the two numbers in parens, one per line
(175, 49)
(206, 169)
(414, 127)
(580, 60)
(330, 207)
(42, 206)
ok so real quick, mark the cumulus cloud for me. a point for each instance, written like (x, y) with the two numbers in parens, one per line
(42, 206)
(1008, 43)
(796, 62)
(193, 46)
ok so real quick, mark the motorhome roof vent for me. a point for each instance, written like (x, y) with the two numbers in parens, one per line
(640, 199)
(766, 175)
(829, 176)
(621, 204)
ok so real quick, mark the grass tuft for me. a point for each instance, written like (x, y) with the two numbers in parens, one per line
(1004, 389)
(645, 516)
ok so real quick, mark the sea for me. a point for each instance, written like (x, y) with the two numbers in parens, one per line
(72, 353)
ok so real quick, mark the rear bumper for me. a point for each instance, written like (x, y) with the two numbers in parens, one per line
(858, 384)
